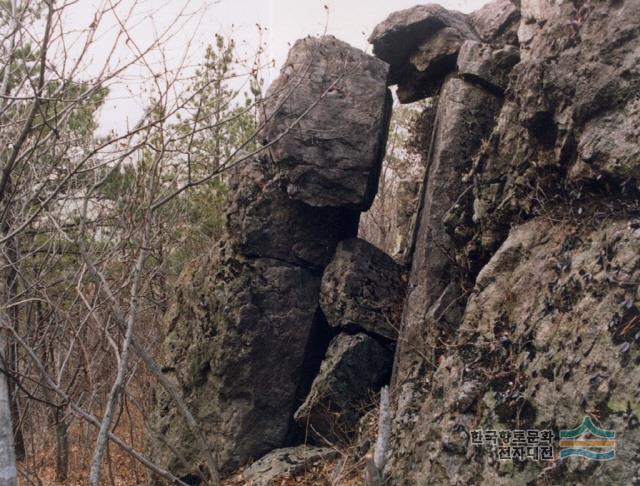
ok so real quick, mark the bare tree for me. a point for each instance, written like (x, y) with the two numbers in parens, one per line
(83, 215)
(95, 228)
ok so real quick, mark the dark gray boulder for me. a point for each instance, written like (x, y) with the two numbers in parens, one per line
(354, 367)
(421, 45)
(235, 339)
(404, 31)
(362, 288)
(327, 116)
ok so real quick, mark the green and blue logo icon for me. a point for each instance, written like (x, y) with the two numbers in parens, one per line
(588, 441)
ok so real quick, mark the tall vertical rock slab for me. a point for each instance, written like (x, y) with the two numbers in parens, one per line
(237, 334)
(434, 301)
(463, 62)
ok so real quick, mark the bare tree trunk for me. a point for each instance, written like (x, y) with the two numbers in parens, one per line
(62, 444)
(8, 471)
(19, 447)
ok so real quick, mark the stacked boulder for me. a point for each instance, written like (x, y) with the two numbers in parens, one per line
(237, 336)
(362, 289)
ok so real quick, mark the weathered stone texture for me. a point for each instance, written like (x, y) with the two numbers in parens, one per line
(235, 341)
(402, 32)
(287, 463)
(421, 45)
(362, 288)
(464, 117)
(333, 107)
(238, 334)
(497, 22)
(571, 115)
(487, 65)
(550, 334)
(264, 223)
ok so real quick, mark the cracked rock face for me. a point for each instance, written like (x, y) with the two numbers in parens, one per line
(355, 366)
(540, 128)
(497, 22)
(434, 301)
(548, 336)
(362, 288)
(264, 222)
(404, 31)
(332, 104)
(571, 116)
(487, 65)
(235, 341)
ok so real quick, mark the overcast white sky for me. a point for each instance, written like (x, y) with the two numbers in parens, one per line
(285, 21)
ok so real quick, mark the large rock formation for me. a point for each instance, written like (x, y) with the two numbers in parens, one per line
(509, 325)
(337, 97)
(437, 283)
(237, 337)
(487, 65)
(550, 334)
(522, 309)
(570, 115)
